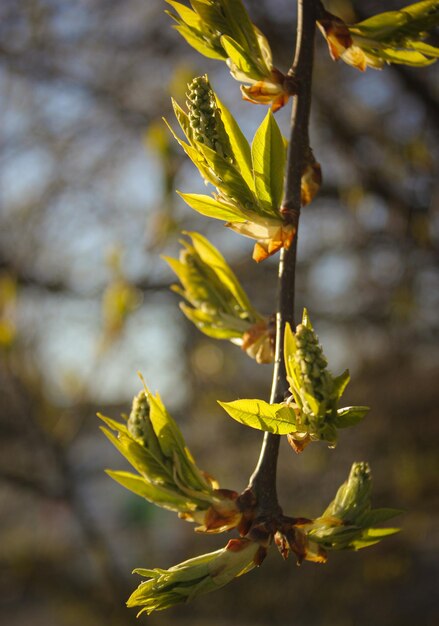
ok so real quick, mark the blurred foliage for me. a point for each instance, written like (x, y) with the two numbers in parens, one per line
(82, 84)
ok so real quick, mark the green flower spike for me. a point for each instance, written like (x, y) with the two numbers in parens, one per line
(311, 413)
(219, 306)
(316, 393)
(348, 522)
(390, 37)
(166, 471)
(194, 577)
(205, 119)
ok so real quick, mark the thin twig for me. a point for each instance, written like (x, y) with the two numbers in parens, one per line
(263, 480)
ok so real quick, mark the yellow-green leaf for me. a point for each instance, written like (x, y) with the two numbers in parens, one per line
(153, 493)
(240, 145)
(216, 261)
(212, 208)
(274, 418)
(241, 60)
(268, 159)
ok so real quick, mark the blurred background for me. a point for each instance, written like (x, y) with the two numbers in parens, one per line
(87, 206)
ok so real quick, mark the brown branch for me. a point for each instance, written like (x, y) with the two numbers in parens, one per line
(263, 480)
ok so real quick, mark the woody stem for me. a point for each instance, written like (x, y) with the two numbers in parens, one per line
(263, 480)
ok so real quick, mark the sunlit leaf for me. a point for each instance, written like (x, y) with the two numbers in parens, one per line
(274, 418)
(240, 145)
(212, 208)
(268, 158)
(240, 60)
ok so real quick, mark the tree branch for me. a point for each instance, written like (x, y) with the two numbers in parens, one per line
(263, 480)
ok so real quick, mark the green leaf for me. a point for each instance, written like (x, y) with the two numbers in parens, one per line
(405, 57)
(372, 536)
(378, 516)
(189, 17)
(173, 445)
(243, 30)
(379, 533)
(208, 325)
(340, 383)
(197, 159)
(229, 180)
(423, 48)
(412, 21)
(274, 418)
(241, 60)
(212, 208)
(318, 408)
(140, 458)
(190, 26)
(306, 320)
(216, 261)
(113, 424)
(196, 41)
(183, 119)
(153, 493)
(268, 158)
(290, 349)
(381, 26)
(350, 415)
(238, 142)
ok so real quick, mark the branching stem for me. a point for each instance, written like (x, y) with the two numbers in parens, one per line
(263, 480)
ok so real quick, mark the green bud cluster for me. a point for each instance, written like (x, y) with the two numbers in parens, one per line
(309, 357)
(205, 118)
(138, 422)
(194, 577)
(349, 522)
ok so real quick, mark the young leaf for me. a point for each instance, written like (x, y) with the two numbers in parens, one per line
(156, 494)
(229, 180)
(240, 145)
(214, 259)
(244, 31)
(241, 62)
(378, 516)
(268, 158)
(350, 415)
(212, 208)
(203, 321)
(340, 384)
(274, 418)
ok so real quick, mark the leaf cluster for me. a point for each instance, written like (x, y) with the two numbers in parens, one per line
(222, 30)
(248, 185)
(194, 577)
(219, 306)
(166, 471)
(389, 37)
(348, 523)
